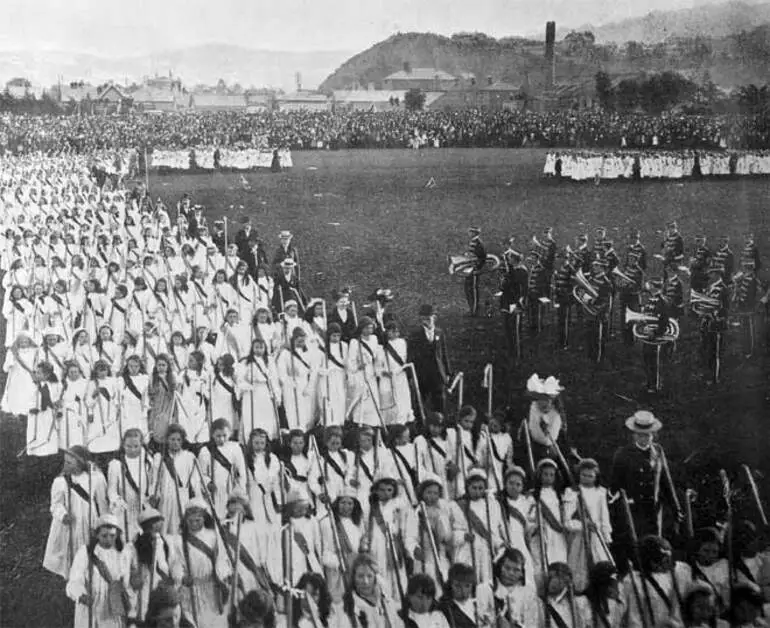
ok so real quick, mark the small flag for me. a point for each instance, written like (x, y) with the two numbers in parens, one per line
(431, 183)
(487, 381)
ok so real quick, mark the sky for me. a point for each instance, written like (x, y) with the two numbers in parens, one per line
(138, 27)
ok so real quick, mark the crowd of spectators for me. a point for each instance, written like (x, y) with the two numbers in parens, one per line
(303, 130)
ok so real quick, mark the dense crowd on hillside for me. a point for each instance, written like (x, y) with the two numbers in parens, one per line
(397, 129)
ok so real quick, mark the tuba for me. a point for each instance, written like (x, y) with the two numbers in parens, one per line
(703, 305)
(585, 293)
(645, 327)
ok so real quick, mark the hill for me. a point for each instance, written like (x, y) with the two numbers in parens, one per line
(729, 61)
(199, 64)
(711, 20)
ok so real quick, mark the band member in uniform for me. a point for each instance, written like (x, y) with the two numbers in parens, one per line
(635, 246)
(548, 246)
(537, 288)
(639, 469)
(563, 294)
(628, 285)
(713, 322)
(674, 291)
(584, 253)
(597, 252)
(599, 310)
(478, 254)
(659, 307)
(513, 294)
(751, 252)
(672, 247)
(699, 265)
(744, 301)
(725, 258)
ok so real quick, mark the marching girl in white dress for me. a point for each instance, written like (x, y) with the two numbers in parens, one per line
(314, 324)
(159, 308)
(102, 406)
(203, 583)
(138, 313)
(129, 482)
(223, 298)
(258, 377)
(263, 471)
(116, 312)
(448, 528)
(265, 289)
(515, 598)
(405, 461)
(17, 310)
(194, 390)
(42, 434)
(390, 519)
(554, 534)
(517, 508)
(178, 351)
(200, 342)
(332, 381)
(246, 291)
(41, 307)
(364, 366)
(100, 578)
(20, 394)
(83, 352)
(264, 328)
(395, 394)
(341, 543)
(73, 426)
(226, 392)
(176, 480)
(297, 373)
(134, 385)
(94, 307)
(222, 465)
(434, 449)
(108, 350)
(329, 472)
(593, 498)
(181, 300)
(78, 499)
(495, 450)
(306, 537)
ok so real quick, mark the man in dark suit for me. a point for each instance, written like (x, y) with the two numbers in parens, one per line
(245, 239)
(286, 251)
(478, 254)
(427, 350)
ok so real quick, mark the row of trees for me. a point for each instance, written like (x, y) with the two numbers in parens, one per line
(657, 93)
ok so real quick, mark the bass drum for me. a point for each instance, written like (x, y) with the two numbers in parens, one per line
(463, 266)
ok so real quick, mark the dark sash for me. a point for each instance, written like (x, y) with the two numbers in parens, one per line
(220, 458)
(468, 453)
(302, 543)
(128, 476)
(367, 472)
(243, 296)
(50, 353)
(391, 351)
(434, 445)
(333, 359)
(293, 473)
(119, 308)
(495, 451)
(131, 386)
(300, 358)
(476, 524)
(551, 518)
(228, 388)
(333, 464)
(346, 547)
(201, 547)
(659, 590)
(104, 393)
(247, 560)
(171, 468)
(200, 290)
(81, 492)
(407, 467)
(366, 346)
(150, 350)
(743, 568)
(45, 398)
(58, 300)
(512, 511)
(557, 618)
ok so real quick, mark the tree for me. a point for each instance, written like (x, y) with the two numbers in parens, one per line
(627, 95)
(414, 100)
(604, 90)
(579, 42)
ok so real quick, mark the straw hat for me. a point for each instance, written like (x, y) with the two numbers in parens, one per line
(643, 422)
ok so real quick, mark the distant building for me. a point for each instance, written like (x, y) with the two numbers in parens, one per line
(502, 95)
(368, 100)
(218, 102)
(425, 79)
(19, 88)
(154, 100)
(304, 101)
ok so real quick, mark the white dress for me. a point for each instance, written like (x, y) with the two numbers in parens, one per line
(82, 580)
(127, 479)
(73, 426)
(42, 427)
(102, 403)
(175, 470)
(364, 365)
(332, 385)
(20, 395)
(259, 404)
(297, 373)
(395, 394)
(225, 467)
(193, 396)
(64, 540)
(597, 511)
(134, 402)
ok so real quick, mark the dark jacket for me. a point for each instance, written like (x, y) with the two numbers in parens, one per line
(430, 359)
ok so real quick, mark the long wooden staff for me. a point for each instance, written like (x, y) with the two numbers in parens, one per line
(638, 559)
(423, 512)
(329, 509)
(755, 494)
(236, 562)
(417, 391)
(540, 523)
(90, 557)
(185, 545)
(287, 541)
(727, 493)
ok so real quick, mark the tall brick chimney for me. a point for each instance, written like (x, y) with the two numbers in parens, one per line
(550, 57)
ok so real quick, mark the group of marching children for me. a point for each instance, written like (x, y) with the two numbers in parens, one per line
(235, 455)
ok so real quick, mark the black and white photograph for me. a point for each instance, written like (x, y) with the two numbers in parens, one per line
(405, 314)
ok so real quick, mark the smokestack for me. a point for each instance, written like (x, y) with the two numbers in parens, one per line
(550, 57)
(298, 81)
(407, 67)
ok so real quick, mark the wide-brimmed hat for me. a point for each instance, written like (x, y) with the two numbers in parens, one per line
(107, 521)
(542, 388)
(149, 515)
(643, 422)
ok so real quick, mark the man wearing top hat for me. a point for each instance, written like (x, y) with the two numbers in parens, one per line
(286, 251)
(478, 254)
(639, 468)
(428, 352)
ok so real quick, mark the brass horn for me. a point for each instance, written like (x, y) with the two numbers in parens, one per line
(702, 304)
(624, 280)
(585, 293)
(645, 328)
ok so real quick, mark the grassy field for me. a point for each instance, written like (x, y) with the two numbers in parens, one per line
(366, 220)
